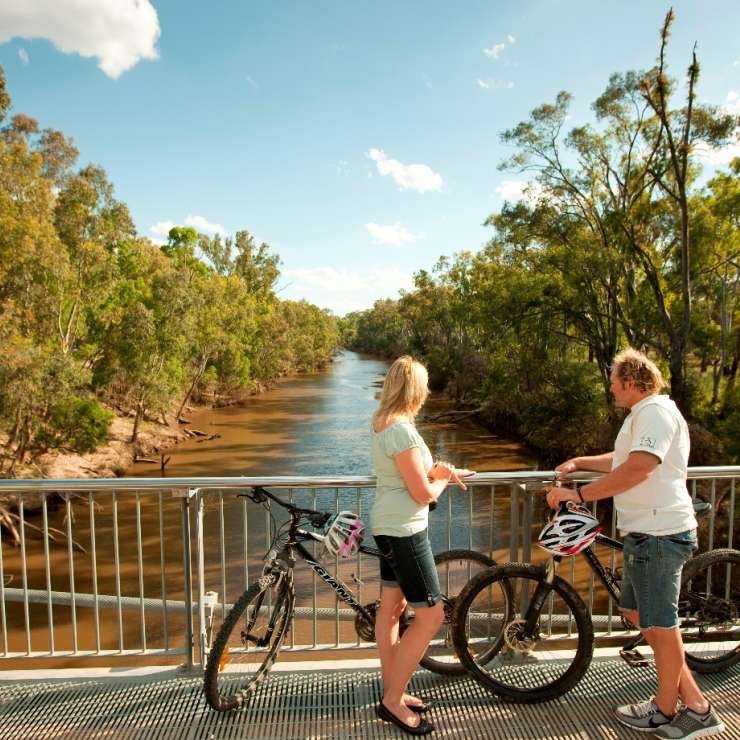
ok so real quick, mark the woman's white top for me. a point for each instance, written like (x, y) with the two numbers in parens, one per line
(394, 512)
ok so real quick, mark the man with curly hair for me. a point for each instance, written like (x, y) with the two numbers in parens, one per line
(646, 474)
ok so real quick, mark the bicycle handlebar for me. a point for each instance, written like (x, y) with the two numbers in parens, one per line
(259, 495)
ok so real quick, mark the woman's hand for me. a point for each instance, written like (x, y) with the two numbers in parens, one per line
(446, 471)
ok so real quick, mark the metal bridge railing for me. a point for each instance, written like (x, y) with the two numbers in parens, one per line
(138, 567)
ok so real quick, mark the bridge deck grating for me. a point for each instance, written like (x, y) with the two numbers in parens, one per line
(329, 704)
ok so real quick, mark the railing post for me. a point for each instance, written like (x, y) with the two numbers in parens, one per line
(187, 572)
(200, 559)
(514, 524)
(527, 525)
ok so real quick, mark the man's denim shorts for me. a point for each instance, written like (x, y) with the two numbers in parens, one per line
(408, 564)
(651, 578)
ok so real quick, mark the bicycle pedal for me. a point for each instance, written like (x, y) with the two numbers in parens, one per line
(634, 658)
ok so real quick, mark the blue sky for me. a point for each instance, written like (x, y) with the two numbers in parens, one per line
(359, 140)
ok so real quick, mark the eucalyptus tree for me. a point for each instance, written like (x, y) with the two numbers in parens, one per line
(614, 200)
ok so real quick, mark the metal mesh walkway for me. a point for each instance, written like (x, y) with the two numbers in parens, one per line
(328, 704)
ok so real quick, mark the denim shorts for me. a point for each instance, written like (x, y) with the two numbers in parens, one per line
(408, 564)
(651, 578)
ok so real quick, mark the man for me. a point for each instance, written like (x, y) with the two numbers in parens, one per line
(646, 473)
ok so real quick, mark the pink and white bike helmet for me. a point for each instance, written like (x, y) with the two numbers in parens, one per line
(569, 531)
(344, 535)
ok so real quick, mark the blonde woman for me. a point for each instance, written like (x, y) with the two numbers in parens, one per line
(407, 482)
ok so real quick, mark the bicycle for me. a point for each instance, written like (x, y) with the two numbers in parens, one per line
(251, 635)
(541, 618)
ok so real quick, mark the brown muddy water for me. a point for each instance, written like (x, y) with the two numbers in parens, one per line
(310, 425)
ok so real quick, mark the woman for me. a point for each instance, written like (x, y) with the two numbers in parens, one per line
(407, 482)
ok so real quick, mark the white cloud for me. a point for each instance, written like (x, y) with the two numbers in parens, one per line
(162, 228)
(204, 226)
(491, 84)
(419, 177)
(724, 155)
(252, 83)
(494, 51)
(118, 33)
(394, 234)
(515, 190)
(23, 54)
(341, 167)
(343, 290)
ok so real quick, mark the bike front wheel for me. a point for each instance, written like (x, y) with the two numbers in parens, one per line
(709, 611)
(248, 641)
(455, 569)
(538, 653)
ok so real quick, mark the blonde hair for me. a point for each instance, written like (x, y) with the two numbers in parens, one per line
(631, 365)
(404, 389)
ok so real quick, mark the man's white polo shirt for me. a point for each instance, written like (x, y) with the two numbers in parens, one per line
(661, 504)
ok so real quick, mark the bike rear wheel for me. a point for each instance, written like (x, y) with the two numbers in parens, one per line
(248, 641)
(526, 666)
(455, 569)
(709, 610)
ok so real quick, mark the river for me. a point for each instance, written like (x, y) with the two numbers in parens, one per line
(318, 424)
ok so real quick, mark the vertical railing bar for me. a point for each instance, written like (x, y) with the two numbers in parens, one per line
(2, 597)
(245, 530)
(612, 566)
(24, 572)
(526, 524)
(572, 581)
(71, 559)
(728, 573)
(200, 575)
(336, 575)
(140, 563)
(188, 576)
(94, 565)
(291, 499)
(313, 577)
(448, 491)
(491, 526)
(592, 577)
(222, 544)
(163, 575)
(358, 501)
(514, 523)
(730, 529)
(117, 565)
(47, 568)
(712, 513)
(469, 493)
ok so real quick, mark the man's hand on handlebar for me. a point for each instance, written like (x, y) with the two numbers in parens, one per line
(556, 494)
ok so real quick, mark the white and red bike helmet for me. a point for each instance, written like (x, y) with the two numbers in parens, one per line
(570, 530)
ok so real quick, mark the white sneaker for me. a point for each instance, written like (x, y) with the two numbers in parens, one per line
(643, 716)
(688, 724)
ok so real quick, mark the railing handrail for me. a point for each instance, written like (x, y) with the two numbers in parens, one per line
(295, 481)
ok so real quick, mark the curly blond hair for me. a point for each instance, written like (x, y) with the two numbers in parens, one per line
(631, 365)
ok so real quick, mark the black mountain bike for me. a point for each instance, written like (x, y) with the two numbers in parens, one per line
(251, 635)
(548, 634)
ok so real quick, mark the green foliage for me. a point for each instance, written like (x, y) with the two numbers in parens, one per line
(89, 308)
(75, 423)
